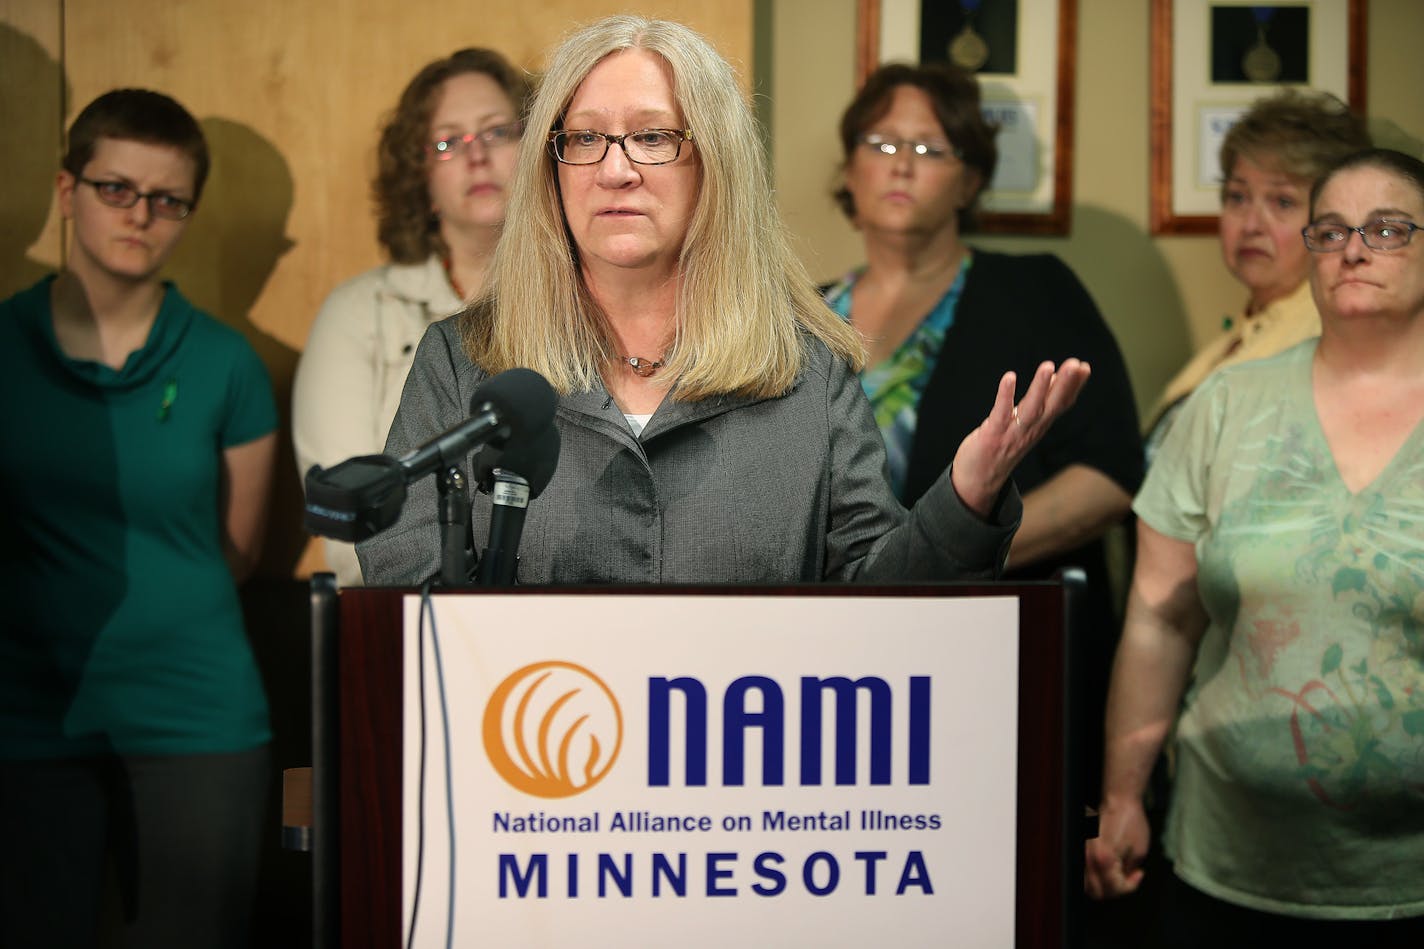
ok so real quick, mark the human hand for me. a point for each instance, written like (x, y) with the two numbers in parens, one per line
(989, 454)
(1113, 859)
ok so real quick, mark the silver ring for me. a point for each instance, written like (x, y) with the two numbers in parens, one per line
(1016, 416)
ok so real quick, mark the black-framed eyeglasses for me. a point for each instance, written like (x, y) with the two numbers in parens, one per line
(884, 145)
(1327, 237)
(496, 136)
(121, 194)
(643, 147)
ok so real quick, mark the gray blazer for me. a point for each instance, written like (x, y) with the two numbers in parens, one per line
(726, 490)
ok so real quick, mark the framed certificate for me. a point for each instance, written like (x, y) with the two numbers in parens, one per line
(1023, 52)
(1210, 60)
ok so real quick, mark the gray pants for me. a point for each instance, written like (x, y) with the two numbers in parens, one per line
(131, 851)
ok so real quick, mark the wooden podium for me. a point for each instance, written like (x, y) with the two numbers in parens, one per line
(359, 707)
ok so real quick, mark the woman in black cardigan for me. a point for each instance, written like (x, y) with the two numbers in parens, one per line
(941, 320)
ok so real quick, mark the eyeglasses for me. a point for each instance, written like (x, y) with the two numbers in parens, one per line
(496, 136)
(121, 194)
(881, 145)
(1327, 237)
(643, 147)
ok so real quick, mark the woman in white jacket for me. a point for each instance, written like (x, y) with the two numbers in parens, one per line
(445, 159)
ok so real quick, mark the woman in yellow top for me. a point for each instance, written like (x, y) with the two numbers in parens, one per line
(1269, 160)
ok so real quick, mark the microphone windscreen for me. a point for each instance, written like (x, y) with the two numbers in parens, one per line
(533, 458)
(356, 499)
(521, 398)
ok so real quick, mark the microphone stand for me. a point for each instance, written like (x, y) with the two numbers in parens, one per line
(457, 554)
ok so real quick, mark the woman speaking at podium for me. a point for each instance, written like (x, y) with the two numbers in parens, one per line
(713, 428)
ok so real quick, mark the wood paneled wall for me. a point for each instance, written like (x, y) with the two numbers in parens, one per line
(32, 99)
(291, 96)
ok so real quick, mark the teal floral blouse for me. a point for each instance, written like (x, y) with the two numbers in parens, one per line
(895, 386)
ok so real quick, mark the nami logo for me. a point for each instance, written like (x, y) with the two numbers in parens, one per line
(553, 729)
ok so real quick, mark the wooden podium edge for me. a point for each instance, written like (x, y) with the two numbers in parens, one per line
(364, 907)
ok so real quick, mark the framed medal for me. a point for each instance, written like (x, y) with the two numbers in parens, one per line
(1023, 54)
(1210, 60)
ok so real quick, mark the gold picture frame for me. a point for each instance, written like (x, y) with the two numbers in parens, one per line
(1033, 101)
(1198, 88)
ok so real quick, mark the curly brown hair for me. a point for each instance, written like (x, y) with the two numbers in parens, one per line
(954, 95)
(404, 224)
(1301, 134)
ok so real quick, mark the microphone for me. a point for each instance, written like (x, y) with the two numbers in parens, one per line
(354, 500)
(512, 478)
(509, 406)
(362, 496)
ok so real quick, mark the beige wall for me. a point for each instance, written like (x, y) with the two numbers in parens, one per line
(30, 96)
(1162, 296)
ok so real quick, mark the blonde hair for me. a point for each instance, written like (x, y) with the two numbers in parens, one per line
(744, 299)
(1296, 133)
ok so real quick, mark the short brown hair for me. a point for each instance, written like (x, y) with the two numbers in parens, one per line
(137, 115)
(404, 224)
(1296, 133)
(954, 95)
(1388, 160)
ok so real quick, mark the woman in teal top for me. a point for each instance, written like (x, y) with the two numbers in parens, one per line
(133, 724)
(1280, 584)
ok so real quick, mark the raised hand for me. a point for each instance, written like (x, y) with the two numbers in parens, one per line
(989, 454)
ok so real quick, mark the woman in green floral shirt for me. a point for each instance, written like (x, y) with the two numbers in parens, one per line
(1280, 582)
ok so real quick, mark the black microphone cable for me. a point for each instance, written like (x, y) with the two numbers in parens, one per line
(425, 604)
(449, 778)
(427, 610)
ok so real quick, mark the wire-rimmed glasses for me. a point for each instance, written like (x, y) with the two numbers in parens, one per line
(1328, 237)
(496, 136)
(643, 147)
(121, 194)
(885, 145)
